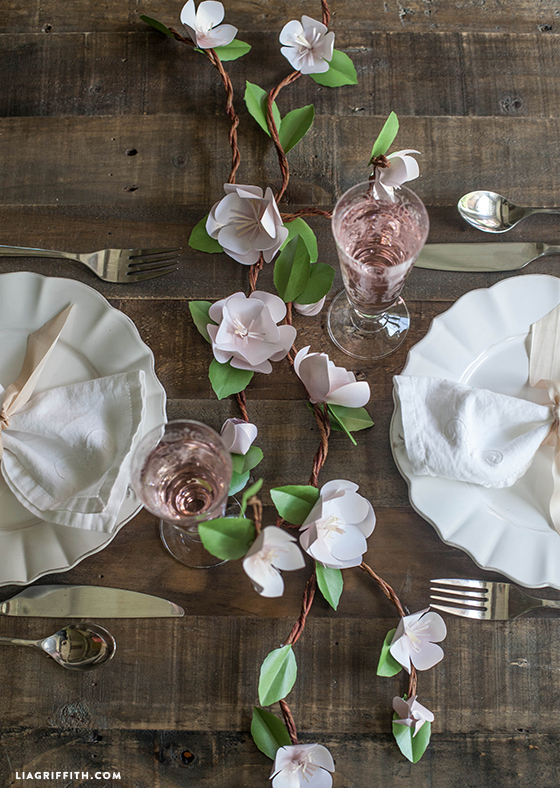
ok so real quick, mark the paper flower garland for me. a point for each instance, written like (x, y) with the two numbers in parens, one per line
(247, 333)
(246, 223)
(308, 46)
(203, 25)
(336, 529)
(273, 549)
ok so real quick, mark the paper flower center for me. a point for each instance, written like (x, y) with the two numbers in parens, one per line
(247, 221)
(330, 525)
(417, 636)
(304, 765)
(305, 42)
(244, 333)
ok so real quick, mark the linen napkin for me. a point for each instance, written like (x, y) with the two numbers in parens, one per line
(482, 437)
(66, 451)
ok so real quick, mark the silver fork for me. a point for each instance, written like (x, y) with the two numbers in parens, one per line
(486, 601)
(111, 265)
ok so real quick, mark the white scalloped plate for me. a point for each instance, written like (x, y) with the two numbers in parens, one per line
(98, 340)
(482, 341)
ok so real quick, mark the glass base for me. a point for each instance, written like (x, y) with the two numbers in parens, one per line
(367, 337)
(186, 546)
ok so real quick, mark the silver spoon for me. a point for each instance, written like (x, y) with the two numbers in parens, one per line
(492, 213)
(75, 647)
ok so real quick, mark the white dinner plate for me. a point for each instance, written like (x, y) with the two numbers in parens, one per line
(98, 340)
(483, 341)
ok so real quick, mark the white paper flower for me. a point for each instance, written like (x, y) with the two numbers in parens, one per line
(310, 310)
(412, 713)
(273, 549)
(415, 640)
(326, 383)
(247, 334)
(307, 45)
(302, 766)
(238, 435)
(202, 24)
(335, 530)
(402, 168)
(246, 223)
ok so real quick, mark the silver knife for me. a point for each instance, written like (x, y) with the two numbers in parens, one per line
(87, 602)
(482, 257)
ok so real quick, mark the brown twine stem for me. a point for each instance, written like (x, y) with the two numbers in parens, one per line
(326, 13)
(282, 158)
(289, 720)
(254, 273)
(324, 424)
(289, 217)
(390, 594)
(242, 402)
(307, 601)
(257, 513)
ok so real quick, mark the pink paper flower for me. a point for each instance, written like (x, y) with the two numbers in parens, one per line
(310, 310)
(327, 383)
(238, 435)
(402, 168)
(302, 766)
(246, 223)
(307, 45)
(412, 713)
(247, 334)
(273, 549)
(203, 25)
(415, 640)
(335, 531)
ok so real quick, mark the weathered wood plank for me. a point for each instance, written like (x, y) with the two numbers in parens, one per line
(169, 759)
(76, 160)
(503, 75)
(502, 665)
(248, 15)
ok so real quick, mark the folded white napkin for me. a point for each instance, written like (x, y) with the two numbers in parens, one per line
(471, 435)
(66, 451)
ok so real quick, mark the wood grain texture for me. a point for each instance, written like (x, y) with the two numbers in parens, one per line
(143, 73)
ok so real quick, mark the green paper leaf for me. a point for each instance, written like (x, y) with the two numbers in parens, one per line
(299, 226)
(199, 313)
(386, 136)
(353, 419)
(246, 462)
(268, 732)
(256, 100)
(227, 380)
(233, 50)
(253, 490)
(339, 425)
(388, 665)
(227, 538)
(412, 747)
(158, 25)
(238, 482)
(199, 239)
(292, 269)
(295, 126)
(330, 583)
(320, 281)
(341, 72)
(278, 675)
(294, 502)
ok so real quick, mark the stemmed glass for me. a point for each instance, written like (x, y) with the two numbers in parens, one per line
(181, 471)
(378, 242)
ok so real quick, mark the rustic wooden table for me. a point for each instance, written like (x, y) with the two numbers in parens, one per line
(112, 134)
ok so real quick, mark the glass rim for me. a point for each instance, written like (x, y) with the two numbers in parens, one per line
(364, 185)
